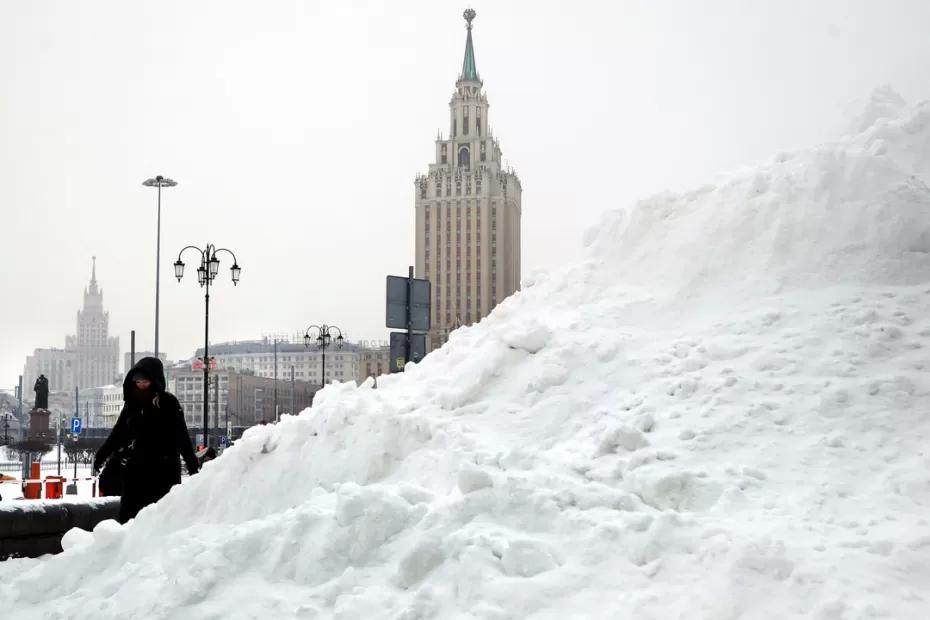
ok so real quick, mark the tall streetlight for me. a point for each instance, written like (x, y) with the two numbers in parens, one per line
(209, 267)
(323, 340)
(158, 182)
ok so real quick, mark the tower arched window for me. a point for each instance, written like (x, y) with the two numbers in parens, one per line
(464, 157)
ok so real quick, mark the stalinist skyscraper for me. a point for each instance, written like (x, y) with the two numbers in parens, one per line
(467, 212)
(96, 354)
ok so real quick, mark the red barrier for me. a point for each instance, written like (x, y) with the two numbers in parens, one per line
(33, 488)
(54, 486)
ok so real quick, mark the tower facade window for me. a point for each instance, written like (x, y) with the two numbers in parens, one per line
(464, 157)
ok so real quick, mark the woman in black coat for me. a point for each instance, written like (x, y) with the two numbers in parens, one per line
(151, 436)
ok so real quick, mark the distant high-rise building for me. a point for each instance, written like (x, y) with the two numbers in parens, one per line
(96, 354)
(90, 357)
(468, 211)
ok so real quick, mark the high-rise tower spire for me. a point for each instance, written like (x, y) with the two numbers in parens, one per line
(96, 354)
(93, 289)
(469, 69)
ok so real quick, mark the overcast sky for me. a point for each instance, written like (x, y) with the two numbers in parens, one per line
(295, 130)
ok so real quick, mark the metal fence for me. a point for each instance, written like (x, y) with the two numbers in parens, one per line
(47, 467)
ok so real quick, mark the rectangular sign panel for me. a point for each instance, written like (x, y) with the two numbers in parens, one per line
(197, 364)
(397, 303)
(76, 425)
(399, 349)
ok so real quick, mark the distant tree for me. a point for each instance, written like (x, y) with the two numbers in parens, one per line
(88, 447)
(35, 448)
(71, 448)
(82, 450)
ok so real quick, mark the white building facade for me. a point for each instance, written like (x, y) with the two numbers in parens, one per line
(100, 406)
(258, 357)
(56, 364)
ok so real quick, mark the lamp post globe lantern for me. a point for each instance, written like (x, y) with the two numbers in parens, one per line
(323, 340)
(206, 272)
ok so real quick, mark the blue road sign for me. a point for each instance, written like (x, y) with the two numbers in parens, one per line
(75, 425)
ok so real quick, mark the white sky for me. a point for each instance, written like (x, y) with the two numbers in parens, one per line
(295, 130)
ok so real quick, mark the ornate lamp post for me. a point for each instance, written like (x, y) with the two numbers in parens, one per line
(158, 182)
(323, 340)
(209, 267)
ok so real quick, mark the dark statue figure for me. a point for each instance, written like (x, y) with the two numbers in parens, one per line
(41, 390)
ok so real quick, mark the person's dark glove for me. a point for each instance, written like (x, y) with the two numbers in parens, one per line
(98, 465)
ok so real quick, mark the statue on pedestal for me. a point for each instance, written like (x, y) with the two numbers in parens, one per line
(41, 390)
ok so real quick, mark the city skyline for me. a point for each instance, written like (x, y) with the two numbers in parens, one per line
(274, 120)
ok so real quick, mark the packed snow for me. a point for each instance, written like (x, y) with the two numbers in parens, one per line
(721, 413)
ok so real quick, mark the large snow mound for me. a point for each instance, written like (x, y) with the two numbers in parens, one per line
(851, 211)
(721, 413)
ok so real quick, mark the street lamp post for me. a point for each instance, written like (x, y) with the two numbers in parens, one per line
(158, 182)
(323, 340)
(209, 267)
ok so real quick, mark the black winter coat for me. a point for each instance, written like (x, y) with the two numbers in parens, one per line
(153, 436)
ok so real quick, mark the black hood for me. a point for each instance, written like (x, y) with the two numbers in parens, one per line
(152, 368)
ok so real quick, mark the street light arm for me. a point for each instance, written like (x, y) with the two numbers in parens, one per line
(190, 247)
(230, 252)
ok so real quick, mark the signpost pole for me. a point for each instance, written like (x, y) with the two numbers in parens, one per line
(58, 432)
(408, 309)
(275, 389)
(409, 303)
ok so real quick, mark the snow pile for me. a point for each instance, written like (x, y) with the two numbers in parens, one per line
(721, 414)
(853, 211)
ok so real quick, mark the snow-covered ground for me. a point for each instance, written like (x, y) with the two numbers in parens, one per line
(721, 413)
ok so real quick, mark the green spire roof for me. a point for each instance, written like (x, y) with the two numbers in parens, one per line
(469, 70)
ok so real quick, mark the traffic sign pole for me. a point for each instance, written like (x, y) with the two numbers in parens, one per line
(408, 308)
(409, 301)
